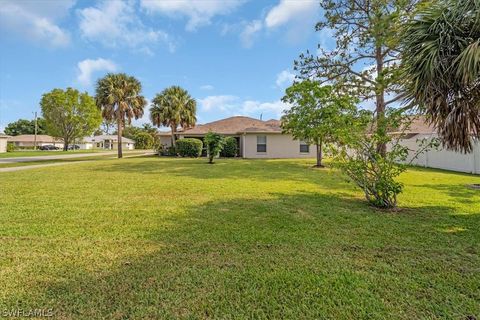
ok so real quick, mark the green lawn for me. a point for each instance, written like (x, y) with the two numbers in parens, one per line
(151, 238)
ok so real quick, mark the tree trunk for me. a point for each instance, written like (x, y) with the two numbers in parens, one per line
(119, 134)
(319, 154)
(380, 103)
(174, 130)
(66, 142)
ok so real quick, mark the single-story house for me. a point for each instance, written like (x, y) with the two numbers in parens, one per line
(29, 140)
(255, 138)
(107, 142)
(439, 158)
(3, 142)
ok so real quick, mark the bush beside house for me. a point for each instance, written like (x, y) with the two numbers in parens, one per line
(230, 147)
(189, 147)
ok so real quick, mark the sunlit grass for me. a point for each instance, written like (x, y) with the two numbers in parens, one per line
(168, 238)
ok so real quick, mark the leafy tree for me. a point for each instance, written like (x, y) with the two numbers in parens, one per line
(173, 107)
(118, 96)
(143, 140)
(214, 143)
(364, 62)
(69, 114)
(23, 126)
(357, 156)
(317, 115)
(107, 126)
(441, 56)
(230, 149)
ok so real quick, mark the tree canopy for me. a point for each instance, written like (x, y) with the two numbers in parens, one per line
(118, 96)
(317, 116)
(441, 60)
(365, 61)
(23, 126)
(173, 107)
(69, 114)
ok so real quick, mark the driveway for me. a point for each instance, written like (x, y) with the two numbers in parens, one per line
(54, 157)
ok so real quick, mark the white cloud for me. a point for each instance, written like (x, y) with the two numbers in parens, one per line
(247, 36)
(207, 87)
(36, 20)
(222, 103)
(233, 105)
(199, 13)
(87, 67)
(284, 79)
(116, 24)
(290, 10)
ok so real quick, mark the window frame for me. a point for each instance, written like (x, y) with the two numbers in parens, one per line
(262, 144)
(303, 144)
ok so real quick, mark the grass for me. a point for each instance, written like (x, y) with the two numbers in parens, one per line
(176, 238)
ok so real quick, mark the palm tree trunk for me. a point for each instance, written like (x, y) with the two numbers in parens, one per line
(119, 134)
(174, 130)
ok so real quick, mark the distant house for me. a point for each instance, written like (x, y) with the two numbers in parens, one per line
(29, 140)
(3, 142)
(441, 158)
(106, 142)
(255, 138)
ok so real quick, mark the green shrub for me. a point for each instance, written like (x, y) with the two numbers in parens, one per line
(189, 147)
(143, 140)
(230, 147)
(214, 143)
(10, 147)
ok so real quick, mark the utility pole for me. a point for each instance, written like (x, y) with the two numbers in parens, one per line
(36, 129)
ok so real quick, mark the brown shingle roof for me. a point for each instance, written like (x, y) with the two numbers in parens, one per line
(42, 138)
(236, 125)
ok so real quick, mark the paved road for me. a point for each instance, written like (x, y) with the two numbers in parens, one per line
(33, 166)
(54, 157)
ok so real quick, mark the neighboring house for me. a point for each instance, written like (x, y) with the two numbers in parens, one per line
(255, 138)
(28, 140)
(106, 142)
(439, 158)
(3, 142)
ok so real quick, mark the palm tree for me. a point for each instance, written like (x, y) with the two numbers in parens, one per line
(173, 107)
(441, 59)
(118, 97)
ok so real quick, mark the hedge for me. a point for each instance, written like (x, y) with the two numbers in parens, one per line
(230, 147)
(189, 147)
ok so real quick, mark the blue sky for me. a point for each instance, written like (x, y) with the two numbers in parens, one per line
(234, 57)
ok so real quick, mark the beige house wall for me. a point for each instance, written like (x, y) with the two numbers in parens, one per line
(278, 146)
(3, 145)
(444, 159)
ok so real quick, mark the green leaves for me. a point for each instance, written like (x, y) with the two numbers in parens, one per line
(69, 114)
(441, 68)
(214, 143)
(173, 107)
(316, 113)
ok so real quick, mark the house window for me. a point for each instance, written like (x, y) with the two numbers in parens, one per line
(261, 143)
(304, 147)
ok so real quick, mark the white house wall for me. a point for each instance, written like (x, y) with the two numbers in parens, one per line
(445, 159)
(278, 146)
(3, 145)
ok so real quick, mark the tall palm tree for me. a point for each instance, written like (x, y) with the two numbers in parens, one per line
(118, 97)
(173, 107)
(441, 59)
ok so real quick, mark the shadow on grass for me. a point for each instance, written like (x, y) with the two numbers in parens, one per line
(260, 170)
(302, 256)
(461, 192)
